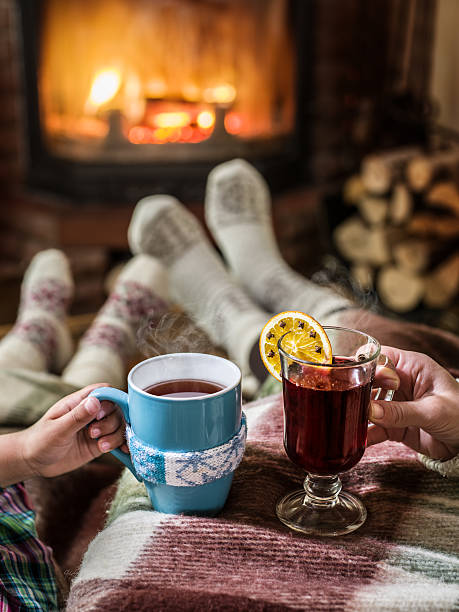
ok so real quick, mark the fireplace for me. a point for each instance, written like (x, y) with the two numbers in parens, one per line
(352, 77)
(128, 97)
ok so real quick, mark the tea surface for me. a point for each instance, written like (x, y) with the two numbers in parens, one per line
(184, 388)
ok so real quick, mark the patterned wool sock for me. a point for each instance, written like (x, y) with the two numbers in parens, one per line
(199, 281)
(105, 350)
(40, 339)
(238, 212)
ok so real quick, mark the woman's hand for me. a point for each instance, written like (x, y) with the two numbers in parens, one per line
(424, 414)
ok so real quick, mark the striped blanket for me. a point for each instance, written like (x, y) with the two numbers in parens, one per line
(405, 557)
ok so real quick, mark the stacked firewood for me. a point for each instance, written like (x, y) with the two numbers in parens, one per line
(402, 240)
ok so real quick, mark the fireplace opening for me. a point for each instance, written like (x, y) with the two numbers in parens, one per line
(127, 97)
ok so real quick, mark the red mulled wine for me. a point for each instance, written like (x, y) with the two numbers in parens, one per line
(184, 388)
(326, 419)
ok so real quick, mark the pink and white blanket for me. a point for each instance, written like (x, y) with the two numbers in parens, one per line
(405, 557)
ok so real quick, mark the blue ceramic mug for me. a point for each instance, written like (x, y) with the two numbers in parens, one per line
(162, 428)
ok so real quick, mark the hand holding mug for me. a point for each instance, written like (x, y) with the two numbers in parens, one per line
(75, 430)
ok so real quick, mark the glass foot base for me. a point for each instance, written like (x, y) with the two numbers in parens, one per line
(346, 514)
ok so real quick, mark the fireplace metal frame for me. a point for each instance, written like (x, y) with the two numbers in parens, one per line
(121, 182)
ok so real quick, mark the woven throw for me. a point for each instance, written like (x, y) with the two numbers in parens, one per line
(186, 468)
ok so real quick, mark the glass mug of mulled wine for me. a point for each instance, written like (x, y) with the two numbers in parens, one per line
(185, 429)
(326, 409)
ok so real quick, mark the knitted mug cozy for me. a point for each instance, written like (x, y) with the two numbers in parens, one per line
(187, 468)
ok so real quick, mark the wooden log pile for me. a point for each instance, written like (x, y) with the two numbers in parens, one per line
(402, 239)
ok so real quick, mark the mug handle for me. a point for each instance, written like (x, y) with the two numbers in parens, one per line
(120, 398)
(385, 362)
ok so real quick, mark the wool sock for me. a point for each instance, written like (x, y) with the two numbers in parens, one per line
(105, 350)
(199, 282)
(40, 339)
(238, 213)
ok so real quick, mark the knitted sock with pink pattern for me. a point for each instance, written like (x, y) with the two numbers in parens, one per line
(105, 350)
(40, 339)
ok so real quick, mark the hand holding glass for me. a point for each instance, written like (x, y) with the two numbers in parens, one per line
(326, 409)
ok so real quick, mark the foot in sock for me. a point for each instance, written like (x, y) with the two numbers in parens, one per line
(40, 339)
(199, 281)
(105, 350)
(238, 213)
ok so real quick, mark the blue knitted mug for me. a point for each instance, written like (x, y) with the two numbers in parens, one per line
(184, 449)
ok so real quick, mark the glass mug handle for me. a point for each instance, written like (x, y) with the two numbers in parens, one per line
(384, 362)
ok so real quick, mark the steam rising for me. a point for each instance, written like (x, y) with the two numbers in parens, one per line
(173, 333)
(335, 275)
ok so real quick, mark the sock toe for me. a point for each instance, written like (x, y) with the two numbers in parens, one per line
(162, 227)
(236, 193)
(51, 263)
(143, 220)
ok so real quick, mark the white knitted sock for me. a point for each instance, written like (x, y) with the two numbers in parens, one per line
(199, 281)
(40, 339)
(106, 348)
(238, 213)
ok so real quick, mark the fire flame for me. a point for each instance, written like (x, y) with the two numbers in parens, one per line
(165, 92)
(171, 120)
(105, 86)
(205, 120)
(221, 94)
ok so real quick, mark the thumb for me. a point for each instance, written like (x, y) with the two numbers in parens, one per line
(78, 417)
(397, 414)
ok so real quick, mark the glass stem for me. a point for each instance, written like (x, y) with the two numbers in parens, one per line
(321, 491)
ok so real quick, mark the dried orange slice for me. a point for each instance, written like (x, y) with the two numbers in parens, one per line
(308, 340)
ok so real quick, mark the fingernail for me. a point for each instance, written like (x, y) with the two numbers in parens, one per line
(100, 415)
(377, 411)
(92, 405)
(95, 433)
(105, 446)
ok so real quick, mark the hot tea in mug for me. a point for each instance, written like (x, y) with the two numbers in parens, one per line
(184, 388)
